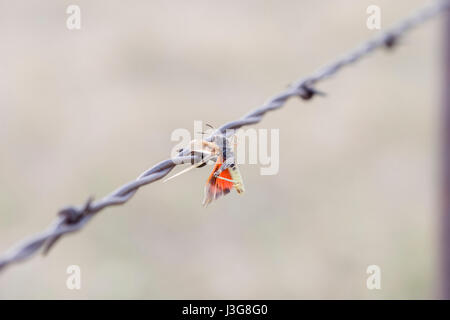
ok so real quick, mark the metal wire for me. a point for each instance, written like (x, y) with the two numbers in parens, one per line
(74, 218)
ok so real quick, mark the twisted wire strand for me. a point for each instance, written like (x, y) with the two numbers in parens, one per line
(74, 218)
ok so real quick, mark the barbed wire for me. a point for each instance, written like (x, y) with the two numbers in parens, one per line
(74, 218)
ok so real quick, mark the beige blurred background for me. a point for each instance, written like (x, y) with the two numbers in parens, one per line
(82, 112)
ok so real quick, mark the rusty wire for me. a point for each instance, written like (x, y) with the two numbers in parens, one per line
(74, 218)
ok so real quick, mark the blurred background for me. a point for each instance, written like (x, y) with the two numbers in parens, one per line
(85, 111)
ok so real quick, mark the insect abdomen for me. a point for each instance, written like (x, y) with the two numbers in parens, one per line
(237, 178)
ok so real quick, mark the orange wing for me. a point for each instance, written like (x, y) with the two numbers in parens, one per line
(217, 187)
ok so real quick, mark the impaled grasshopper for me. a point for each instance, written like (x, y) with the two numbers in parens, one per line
(225, 174)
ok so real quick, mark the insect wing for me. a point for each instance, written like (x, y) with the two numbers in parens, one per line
(216, 187)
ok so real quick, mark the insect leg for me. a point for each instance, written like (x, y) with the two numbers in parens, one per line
(228, 163)
(205, 160)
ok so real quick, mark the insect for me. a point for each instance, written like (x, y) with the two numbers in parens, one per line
(225, 174)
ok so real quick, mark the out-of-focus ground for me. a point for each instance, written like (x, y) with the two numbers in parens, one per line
(82, 112)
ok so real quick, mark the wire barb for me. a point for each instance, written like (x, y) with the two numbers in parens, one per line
(71, 219)
(307, 92)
